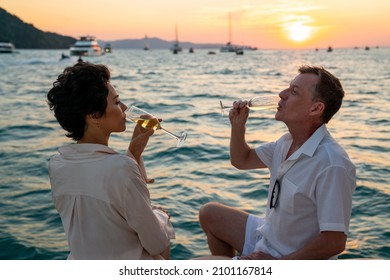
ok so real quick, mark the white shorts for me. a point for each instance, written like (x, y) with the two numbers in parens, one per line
(252, 235)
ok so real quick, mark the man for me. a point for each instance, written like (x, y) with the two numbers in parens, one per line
(311, 185)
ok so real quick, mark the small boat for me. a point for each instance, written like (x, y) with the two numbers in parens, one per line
(229, 47)
(330, 49)
(64, 56)
(239, 51)
(107, 48)
(146, 45)
(250, 48)
(191, 50)
(211, 52)
(6, 47)
(176, 48)
(86, 46)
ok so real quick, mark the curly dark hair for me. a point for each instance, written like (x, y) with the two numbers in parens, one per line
(79, 91)
(328, 90)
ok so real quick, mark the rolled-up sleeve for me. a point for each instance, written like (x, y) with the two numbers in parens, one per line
(138, 212)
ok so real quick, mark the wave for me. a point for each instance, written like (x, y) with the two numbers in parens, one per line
(14, 249)
(19, 132)
(124, 78)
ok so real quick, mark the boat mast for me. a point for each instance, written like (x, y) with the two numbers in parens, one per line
(176, 36)
(230, 28)
(176, 48)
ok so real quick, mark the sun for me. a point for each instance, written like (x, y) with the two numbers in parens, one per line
(298, 32)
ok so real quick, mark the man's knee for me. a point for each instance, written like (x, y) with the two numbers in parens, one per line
(207, 213)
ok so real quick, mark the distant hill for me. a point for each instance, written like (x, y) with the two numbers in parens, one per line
(155, 43)
(26, 36)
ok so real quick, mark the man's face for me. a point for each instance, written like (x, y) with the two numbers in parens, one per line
(296, 102)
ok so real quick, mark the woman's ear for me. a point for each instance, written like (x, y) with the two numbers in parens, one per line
(95, 116)
(93, 119)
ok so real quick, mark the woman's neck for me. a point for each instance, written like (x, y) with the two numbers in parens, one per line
(94, 138)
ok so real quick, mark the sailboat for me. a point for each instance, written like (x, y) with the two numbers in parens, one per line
(146, 45)
(176, 48)
(229, 47)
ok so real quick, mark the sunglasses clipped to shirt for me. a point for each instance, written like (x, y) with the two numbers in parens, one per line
(275, 195)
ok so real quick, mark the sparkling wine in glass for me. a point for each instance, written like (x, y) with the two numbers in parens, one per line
(261, 102)
(148, 120)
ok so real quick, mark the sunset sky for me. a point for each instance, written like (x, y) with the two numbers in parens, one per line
(265, 24)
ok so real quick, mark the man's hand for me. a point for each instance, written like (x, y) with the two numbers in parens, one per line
(238, 115)
(257, 256)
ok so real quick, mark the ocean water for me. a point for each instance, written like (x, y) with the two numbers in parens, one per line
(185, 91)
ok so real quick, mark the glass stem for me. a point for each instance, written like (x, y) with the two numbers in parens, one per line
(170, 133)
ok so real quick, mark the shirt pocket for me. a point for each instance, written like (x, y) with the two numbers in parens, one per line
(287, 193)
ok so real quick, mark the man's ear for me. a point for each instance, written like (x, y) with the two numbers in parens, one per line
(317, 108)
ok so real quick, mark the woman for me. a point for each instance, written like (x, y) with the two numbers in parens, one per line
(102, 196)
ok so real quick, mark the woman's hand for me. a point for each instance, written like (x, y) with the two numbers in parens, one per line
(162, 209)
(138, 144)
(139, 141)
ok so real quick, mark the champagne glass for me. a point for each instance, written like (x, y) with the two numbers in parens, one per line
(147, 120)
(261, 102)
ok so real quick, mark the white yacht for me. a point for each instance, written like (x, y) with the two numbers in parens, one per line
(86, 46)
(6, 47)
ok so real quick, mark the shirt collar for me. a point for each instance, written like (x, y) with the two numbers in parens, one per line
(310, 146)
(74, 151)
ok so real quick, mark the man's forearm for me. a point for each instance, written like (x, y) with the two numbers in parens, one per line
(239, 149)
(324, 246)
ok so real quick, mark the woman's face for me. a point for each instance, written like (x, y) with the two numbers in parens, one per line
(114, 118)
